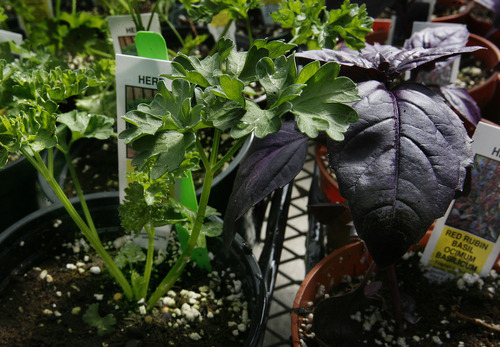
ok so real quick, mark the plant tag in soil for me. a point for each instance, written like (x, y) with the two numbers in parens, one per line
(136, 79)
(466, 239)
(123, 31)
(162, 235)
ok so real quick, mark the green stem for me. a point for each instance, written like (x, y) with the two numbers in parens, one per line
(176, 271)
(229, 154)
(50, 160)
(79, 193)
(37, 161)
(153, 11)
(99, 53)
(149, 259)
(58, 8)
(249, 30)
(172, 27)
(215, 148)
(73, 7)
(138, 15)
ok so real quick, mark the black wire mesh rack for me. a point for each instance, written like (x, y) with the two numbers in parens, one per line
(291, 270)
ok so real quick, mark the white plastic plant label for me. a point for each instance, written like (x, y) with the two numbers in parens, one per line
(123, 30)
(8, 36)
(136, 80)
(466, 239)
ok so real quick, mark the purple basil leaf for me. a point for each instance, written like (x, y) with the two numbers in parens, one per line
(461, 102)
(387, 60)
(399, 165)
(455, 36)
(272, 162)
(452, 37)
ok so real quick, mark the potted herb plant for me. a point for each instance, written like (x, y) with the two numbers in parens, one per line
(401, 164)
(206, 93)
(459, 98)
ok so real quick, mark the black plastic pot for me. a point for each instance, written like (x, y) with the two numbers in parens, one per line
(18, 195)
(35, 238)
(61, 171)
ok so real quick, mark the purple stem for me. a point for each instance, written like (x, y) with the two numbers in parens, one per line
(396, 300)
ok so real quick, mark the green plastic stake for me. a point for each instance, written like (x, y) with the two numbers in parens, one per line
(152, 45)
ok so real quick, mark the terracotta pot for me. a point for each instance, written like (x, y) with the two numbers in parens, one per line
(351, 259)
(484, 93)
(380, 32)
(328, 184)
(461, 17)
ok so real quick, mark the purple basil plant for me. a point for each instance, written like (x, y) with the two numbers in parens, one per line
(406, 158)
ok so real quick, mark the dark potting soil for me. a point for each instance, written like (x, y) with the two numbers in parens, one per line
(472, 72)
(96, 165)
(45, 307)
(460, 312)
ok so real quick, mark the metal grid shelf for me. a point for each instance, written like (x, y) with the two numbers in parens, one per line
(291, 270)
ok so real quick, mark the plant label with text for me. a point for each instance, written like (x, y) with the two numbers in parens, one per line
(466, 239)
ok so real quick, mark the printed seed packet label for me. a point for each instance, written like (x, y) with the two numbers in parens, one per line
(123, 30)
(218, 24)
(136, 79)
(466, 239)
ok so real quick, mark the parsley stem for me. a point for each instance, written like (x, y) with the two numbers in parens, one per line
(79, 193)
(37, 161)
(249, 30)
(150, 229)
(229, 154)
(176, 271)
